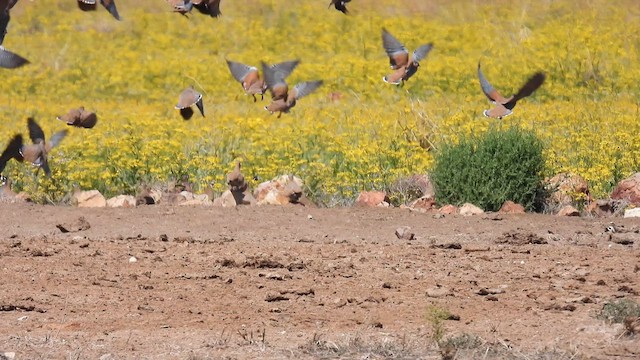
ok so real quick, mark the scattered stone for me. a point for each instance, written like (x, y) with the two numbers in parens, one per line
(371, 198)
(200, 199)
(492, 298)
(126, 201)
(79, 225)
(282, 190)
(438, 216)
(232, 199)
(404, 233)
(606, 207)
(276, 297)
(163, 237)
(632, 325)
(448, 246)
(387, 285)
(7, 356)
(89, 199)
(567, 187)
(425, 202)
(438, 292)
(635, 212)
(448, 209)
(310, 217)
(568, 210)
(469, 209)
(132, 259)
(148, 196)
(509, 207)
(628, 189)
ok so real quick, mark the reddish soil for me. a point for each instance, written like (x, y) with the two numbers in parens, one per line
(291, 282)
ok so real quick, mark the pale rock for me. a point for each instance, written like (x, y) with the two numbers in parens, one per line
(628, 189)
(282, 190)
(448, 209)
(133, 259)
(371, 198)
(635, 212)
(468, 209)
(509, 207)
(425, 202)
(187, 195)
(235, 198)
(404, 233)
(126, 201)
(567, 186)
(89, 199)
(568, 210)
(438, 292)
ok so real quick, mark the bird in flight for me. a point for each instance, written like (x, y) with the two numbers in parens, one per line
(8, 59)
(404, 66)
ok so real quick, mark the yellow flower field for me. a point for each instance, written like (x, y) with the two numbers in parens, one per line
(356, 132)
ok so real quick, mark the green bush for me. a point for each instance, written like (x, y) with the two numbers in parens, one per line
(490, 169)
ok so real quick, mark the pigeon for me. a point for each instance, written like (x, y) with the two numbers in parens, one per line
(79, 117)
(188, 98)
(340, 5)
(90, 5)
(404, 66)
(282, 100)
(8, 59)
(249, 76)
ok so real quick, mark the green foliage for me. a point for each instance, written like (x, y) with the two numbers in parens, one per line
(617, 311)
(489, 169)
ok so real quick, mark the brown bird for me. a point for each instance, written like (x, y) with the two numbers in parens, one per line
(399, 59)
(36, 153)
(90, 5)
(282, 100)
(249, 76)
(80, 118)
(8, 59)
(235, 179)
(504, 106)
(208, 7)
(340, 5)
(188, 98)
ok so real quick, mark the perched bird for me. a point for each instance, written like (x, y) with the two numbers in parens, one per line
(249, 76)
(80, 117)
(36, 153)
(282, 100)
(90, 5)
(504, 106)
(208, 7)
(340, 5)
(399, 59)
(188, 98)
(8, 59)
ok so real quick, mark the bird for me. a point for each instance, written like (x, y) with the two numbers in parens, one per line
(249, 76)
(340, 5)
(282, 100)
(36, 153)
(79, 117)
(90, 5)
(504, 106)
(405, 67)
(236, 180)
(189, 97)
(8, 59)
(208, 7)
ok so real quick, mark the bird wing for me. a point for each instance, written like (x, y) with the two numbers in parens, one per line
(214, 8)
(55, 140)
(488, 90)
(110, 5)
(421, 52)
(239, 70)
(398, 54)
(305, 88)
(35, 131)
(10, 60)
(527, 89)
(284, 69)
(275, 81)
(11, 151)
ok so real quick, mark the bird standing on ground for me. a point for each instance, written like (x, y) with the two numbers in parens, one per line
(405, 67)
(282, 100)
(504, 106)
(340, 5)
(8, 59)
(189, 97)
(90, 5)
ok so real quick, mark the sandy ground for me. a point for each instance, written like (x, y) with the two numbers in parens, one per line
(163, 282)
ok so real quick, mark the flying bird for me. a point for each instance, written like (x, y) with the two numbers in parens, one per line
(8, 59)
(282, 100)
(90, 5)
(504, 106)
(208, 7)
(404, 66)
(340, 5)
(249, 76)
(36, 153)
(189, 97)
(79, 117)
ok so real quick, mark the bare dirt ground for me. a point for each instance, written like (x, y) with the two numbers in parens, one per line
(293, 282)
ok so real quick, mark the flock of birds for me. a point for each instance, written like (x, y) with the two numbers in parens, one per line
(403, 65)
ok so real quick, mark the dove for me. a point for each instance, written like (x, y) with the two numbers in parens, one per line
(90, 5)
(404, 66)
(504, 106)
(80, 117)
(249, 76)
(282, 100)
(340, 5)
(208, 7)
(189, 97)
(8, 59)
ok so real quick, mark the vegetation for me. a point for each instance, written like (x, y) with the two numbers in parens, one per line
(490, 169)
(617, 311)
(356, 132)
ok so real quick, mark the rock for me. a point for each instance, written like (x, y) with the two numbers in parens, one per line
(468, 209)
(231, 199)
(79, 225)
(448, 209)
(438, 292)
(404, 233)
(201, 199)
(149, 196)
(282, 190)
(628, 189)
(632, 325)
(601, 208)
(567, 187)
(635, 212)
(424, 202)
(7, 195)
(187, 195)
(7, 356)
(133, 259)
(371, 198)
(89, 199)
(568, 210)
(126, 201)
(509, 207)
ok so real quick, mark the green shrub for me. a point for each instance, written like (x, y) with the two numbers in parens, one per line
(490, 169)
(616, 311)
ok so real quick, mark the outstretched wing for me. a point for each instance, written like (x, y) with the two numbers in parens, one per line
(398, 54)
(10, 60)
(55, 139)
(35, 131)
(275, 81)
(239, 70)
(489, 91)
(110, 5)
(305, 88)
(421, 52)
(11, 151)
(529, 87)
(284, 69)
